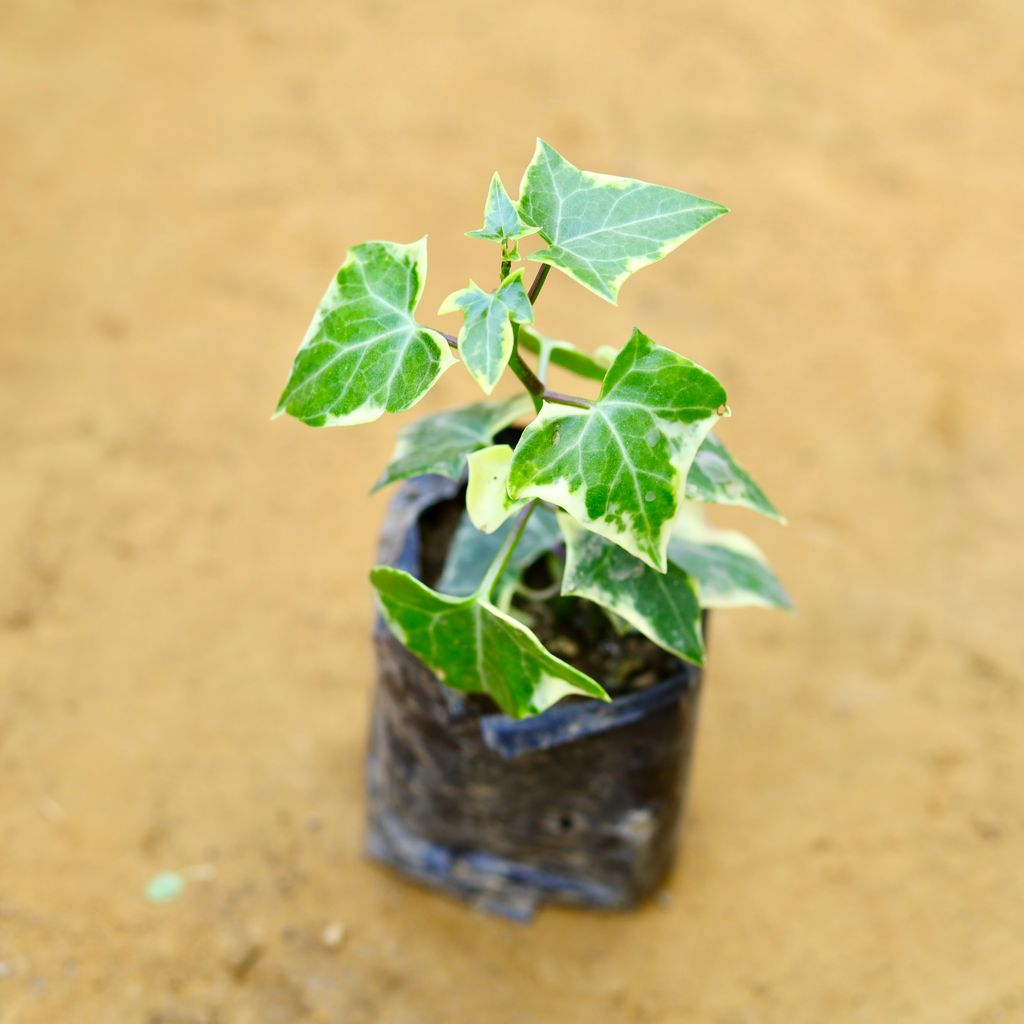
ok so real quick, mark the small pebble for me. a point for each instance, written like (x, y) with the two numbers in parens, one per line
(333, 935)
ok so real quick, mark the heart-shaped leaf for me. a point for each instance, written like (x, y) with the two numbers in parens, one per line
(502, 222)
(440, 443)
(661, 605)
(485, 340)
(364, 353)
(729, 568)
(716, 477)
(473, 646)
(619, 466)
(599, 228)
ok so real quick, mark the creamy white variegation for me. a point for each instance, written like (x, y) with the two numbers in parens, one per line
(626, 470)
(364, 353)
(440, 443)
(619, 467)
(600, 229)
(716, 477)
(486, 336)
(473, 646)
(661, 605)
(730, 570)
(502, 222)
(487, 499)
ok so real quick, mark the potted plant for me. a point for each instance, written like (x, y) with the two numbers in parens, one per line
(546, 570)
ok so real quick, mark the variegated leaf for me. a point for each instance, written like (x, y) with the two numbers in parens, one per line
(729, 568)
(599, 228)
(502, 222)
(716, 477)
(485, 340)
(473, 646)
(487, 499)
(661, 605)
(472, 551)
(619, 466)
(364, 353)
(440, 443)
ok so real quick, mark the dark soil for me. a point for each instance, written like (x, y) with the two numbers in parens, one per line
(577, 631)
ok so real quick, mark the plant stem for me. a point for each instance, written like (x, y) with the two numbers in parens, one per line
(559, 399)
(535, 387)
(538, 282)
(506, 269)
(497, 567)
(533, 384)
(544, 594)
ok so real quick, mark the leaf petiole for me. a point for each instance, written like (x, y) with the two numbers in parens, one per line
(497, 567)
(559, 399)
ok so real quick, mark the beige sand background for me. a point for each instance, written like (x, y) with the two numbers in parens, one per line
(184, 612)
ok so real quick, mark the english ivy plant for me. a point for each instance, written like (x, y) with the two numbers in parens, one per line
(607, 489)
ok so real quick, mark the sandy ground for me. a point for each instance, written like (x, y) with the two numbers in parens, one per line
(184, 612)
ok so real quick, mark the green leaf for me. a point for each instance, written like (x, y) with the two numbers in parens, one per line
(716, 477)
(488, 504)
(473, 646)
(619, 466)
(502, 222)
(364, 354)
(485, 340)
(599, 228)
(729, 568)
(440, 443)
(472, 551)
(561, 353)
(662, 606)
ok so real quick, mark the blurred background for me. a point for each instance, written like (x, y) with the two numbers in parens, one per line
(185, 664)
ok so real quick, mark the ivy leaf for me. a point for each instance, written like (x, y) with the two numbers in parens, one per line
(364, 353)
(601, 229)
(485, 340)
(662, 606)
(716, 477)
(619, 466)
(729, 568)
(488, 504)
(472, 551)
(440, 443)
(561, 353)
(502, 222)
(473, 646)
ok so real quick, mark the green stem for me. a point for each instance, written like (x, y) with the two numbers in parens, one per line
(497, 567)
(533, 384)
(543, 594)
(543, 361)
